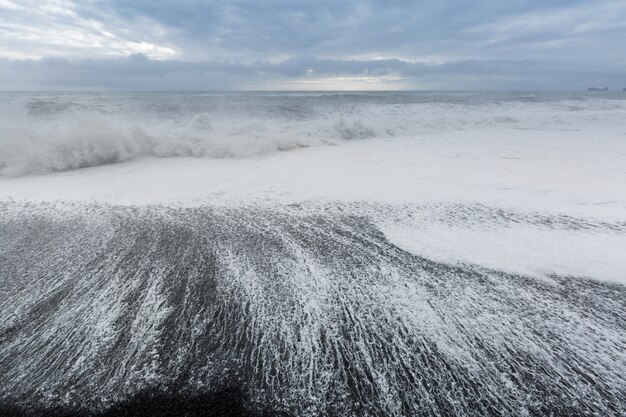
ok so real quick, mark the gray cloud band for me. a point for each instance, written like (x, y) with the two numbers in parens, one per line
(138, 71)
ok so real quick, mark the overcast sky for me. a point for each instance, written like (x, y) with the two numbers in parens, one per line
(315, 44)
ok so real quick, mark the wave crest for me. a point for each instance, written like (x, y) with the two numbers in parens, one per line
(80, 140)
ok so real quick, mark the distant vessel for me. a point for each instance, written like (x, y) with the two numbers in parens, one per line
(598, 89)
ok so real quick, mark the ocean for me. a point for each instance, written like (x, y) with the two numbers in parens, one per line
(313, 253)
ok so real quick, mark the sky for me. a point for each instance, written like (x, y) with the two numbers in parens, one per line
(312, 45)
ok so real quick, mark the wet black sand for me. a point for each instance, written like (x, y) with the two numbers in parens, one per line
(110, 310)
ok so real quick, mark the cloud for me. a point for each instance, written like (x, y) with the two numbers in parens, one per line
(138, 72)
(161, 44)
(38, 28)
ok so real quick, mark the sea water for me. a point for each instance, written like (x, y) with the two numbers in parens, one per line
(393, 253)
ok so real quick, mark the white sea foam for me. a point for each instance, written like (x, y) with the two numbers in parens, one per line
(518, 247)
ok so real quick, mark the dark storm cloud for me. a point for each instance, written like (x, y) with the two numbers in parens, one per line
(244, 43)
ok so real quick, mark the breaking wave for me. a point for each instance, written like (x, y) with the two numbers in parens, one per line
(82, 139)
(49, 133)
